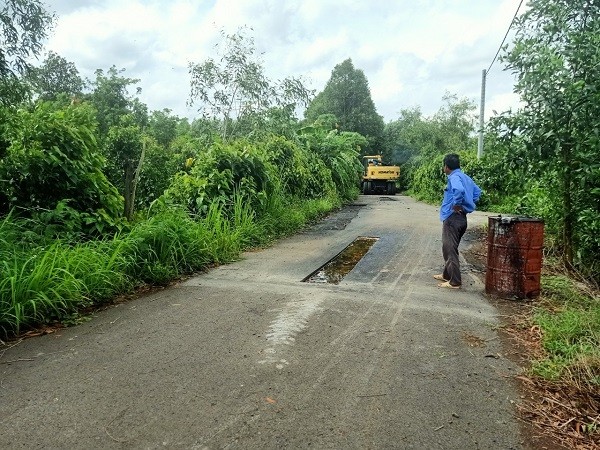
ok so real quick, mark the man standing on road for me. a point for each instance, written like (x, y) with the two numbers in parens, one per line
(460, 196)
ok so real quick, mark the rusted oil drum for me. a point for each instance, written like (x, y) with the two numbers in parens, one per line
(514, 259)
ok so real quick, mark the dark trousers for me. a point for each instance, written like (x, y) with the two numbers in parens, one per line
(453, 229)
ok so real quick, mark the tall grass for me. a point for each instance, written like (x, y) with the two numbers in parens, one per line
(163, 247)
(42, 282)
(101, 266)
(285, 215)
(37, 288)
(569, 320)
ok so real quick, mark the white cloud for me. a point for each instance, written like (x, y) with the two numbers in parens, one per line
(500, 103)
(412, 51)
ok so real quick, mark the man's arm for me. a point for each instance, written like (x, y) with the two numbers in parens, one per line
(476, 193)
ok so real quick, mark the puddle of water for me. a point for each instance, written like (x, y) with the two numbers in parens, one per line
(339, 266)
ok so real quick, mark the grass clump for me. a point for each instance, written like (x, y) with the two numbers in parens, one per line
(36, 287)
(569, 322)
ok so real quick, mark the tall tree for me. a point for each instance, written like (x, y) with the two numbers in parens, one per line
(122, 120)
(24, 24)
(236, 86)
(347, 96)
(162, 126)
(126, 145)
(556, 59)
(404, 137)
(456, 123)
(449, 130)
(111, 98)
(166, 134)
(55, 76)
(14, 91)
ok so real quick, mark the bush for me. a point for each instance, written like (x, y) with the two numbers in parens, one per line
(341, 154)
(301, 173)
(219, 172)
(51, 162)
(163, 247)
(236, 196)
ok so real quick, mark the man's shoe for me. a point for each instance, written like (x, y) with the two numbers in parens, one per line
(448, 285)
(439, 277)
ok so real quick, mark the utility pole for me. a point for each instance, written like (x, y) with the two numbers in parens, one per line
(481, 113)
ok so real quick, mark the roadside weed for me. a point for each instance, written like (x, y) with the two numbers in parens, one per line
(569, 321)
(37, 289)
(100, 266)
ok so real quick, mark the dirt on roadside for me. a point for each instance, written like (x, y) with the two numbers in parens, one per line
(547, 412)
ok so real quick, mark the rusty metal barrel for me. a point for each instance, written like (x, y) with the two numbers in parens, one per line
(514, 259)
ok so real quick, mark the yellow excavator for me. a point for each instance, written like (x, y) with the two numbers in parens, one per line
(377, 178)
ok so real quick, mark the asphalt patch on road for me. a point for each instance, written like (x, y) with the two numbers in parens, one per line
(337, 220)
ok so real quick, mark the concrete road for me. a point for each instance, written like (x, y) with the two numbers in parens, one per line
(249, 356)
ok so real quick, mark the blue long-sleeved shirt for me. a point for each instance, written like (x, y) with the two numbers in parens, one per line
(461, 190)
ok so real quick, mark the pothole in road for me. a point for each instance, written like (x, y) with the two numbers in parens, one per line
(333, 271)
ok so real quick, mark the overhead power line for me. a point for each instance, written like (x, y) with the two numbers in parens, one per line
(483, 79)
(509, 27)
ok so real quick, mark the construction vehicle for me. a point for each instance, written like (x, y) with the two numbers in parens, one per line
(377, 178)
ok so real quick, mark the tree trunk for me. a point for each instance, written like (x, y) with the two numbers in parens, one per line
(568, 212)
(132, 177)
(129, 191)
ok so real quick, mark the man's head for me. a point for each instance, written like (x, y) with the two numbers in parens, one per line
(451, 162)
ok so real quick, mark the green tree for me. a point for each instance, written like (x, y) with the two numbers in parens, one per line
(556, 59)
(273, 121)
(14, 91)
(55, 76)
(111, 98)
(168, 145)
(160, 166)
(236, 87)
(404, 136)
(24, 25)
(413, 140)
(347, 96)
(455, 121)
(126, 145)
(122, 123)
(162, 126)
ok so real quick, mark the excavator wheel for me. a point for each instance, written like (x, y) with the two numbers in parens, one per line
(391, 188)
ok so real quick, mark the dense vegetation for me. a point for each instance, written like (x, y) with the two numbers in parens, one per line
(67, 242)
(98, 195)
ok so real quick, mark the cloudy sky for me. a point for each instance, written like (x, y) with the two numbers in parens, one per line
(411, 51)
